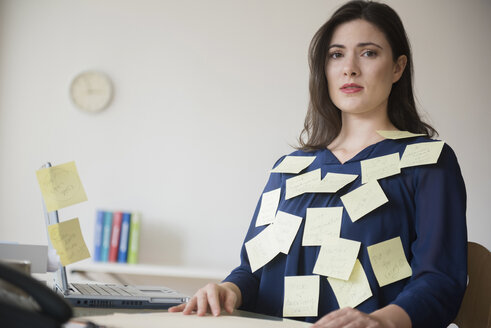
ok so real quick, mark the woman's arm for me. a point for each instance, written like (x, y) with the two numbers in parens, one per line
(435, 290)
(228, 294)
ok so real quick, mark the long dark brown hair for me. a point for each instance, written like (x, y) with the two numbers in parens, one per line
(323, 120)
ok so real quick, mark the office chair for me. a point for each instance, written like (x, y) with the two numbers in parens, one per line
(475, 311)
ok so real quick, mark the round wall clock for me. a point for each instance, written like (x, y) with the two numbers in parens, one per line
(91, 91)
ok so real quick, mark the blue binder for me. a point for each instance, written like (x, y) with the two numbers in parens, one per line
(124, 237)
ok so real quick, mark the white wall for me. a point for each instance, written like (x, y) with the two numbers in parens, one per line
(208, 95)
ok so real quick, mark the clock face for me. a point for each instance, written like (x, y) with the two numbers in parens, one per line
(91, 91)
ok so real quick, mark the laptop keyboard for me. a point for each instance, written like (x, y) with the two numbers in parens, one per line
(113, 290)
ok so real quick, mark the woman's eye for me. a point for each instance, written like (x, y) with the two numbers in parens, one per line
(335, 55)
(369, 53)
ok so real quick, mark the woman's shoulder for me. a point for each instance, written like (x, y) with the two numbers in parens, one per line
(417, 153)
(400, 145)
(418, 149)
(446, 149)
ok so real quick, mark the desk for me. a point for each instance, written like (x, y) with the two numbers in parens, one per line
(240, 319)
(183, 279)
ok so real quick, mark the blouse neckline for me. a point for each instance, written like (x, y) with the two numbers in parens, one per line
(362, 154)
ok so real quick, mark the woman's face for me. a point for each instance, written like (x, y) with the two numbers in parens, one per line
(360, 70)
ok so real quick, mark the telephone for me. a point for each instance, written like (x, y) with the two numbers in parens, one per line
(48, 310)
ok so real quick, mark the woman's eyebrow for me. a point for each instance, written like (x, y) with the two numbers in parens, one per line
(359, 45)
(364, 44)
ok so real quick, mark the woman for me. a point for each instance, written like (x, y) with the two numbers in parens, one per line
(361, 83)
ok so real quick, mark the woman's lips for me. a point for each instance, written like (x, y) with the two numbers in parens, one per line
(351, 88)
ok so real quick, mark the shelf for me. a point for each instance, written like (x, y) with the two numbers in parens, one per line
(149, 270)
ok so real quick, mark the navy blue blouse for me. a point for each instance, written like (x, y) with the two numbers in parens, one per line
(426, 208)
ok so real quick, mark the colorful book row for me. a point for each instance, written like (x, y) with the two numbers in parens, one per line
(116, 237)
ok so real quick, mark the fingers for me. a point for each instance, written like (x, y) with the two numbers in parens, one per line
(211, 297)
(338, 318)
(348, 318)
(213, 293)
(230, 300)
(177, 308)
(190, 306)
(202, 299)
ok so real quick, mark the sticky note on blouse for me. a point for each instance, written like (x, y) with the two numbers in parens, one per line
(398, 134)
(321, 223)
(332, 182)
(262, 248)
(379, 167)
(302, 183)
(363, 200)
(388, 261)
(301, 296)
(293, 164)
(285, 229)
(60, 186)
(353, 291)
(66, 237)
(269, 205)
(421, 153)
(336, 258)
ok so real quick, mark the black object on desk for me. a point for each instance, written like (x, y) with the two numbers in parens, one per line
(45, 309)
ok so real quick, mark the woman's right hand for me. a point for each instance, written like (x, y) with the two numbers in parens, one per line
(212, 297)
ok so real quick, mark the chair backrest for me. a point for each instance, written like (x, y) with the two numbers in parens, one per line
(475, 311)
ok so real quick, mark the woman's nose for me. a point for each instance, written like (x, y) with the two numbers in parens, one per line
(351, 67)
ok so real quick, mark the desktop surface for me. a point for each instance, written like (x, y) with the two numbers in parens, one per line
(151, 318)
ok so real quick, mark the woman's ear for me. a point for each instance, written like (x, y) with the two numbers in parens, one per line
(399, 66)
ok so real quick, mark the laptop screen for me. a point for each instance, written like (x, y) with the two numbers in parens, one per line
(60, 278)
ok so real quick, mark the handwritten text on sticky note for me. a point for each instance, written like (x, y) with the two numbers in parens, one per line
(421, 153)
(354, 291)
(285, 229)
(269, 205)
(388, 261)
(262, 248)
(302, 183)
(363, 200)
(332, 182)
(301, 296)
(293, 164)
(321, 223)
(60, 186)
(336, 258)
(379, 167)
(66, 237)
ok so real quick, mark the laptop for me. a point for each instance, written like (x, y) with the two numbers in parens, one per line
(109, 295)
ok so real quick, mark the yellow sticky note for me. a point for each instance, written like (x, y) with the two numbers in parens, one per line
(262, 248)
(421, 153)
(353, 291)
(398, 134)
(332, 182)
(293, 164)
(321, 223)
(379, 167)
(388, 261)
(301, 296)
(363, 200)
(60, 186)
(66, 237)
(302, 183)
(269, 205)
(336, 258)
(285, 229)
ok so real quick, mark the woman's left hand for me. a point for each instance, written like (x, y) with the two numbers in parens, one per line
(348, 317)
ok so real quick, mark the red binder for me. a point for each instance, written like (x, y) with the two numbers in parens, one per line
(115, 232)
